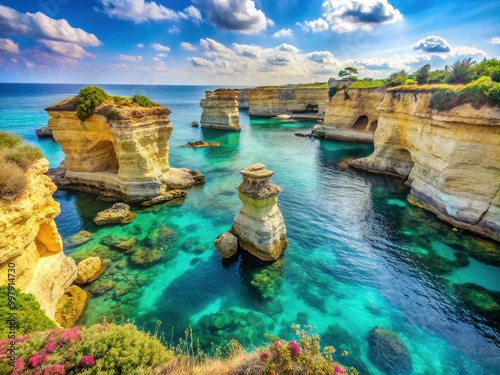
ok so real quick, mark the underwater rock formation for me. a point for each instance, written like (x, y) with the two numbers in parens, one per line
(449, 158)
(119, 152)
(220, 110)
(388, 352)
(259, 225)
(351, 115)
(89, 270)
(30, 243)
(71, 306)
(119, 213)
(226, 244)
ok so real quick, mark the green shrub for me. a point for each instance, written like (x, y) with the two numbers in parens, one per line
(12, 179)
(438, 76)
(29, 317)
(118, 99)
(494, 94)
(88, 100)
(444, 100)
(14, 149)
(397, 79)
(410, 81)
(422, 74)
(367, 84)
(142, 100)
(332, 91)
(489, 68)
(476, 92)
(461, 71)
(9, 140)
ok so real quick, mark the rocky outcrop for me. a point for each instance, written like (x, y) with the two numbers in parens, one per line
(243, 98)
(272, 101)
(120, 152)
(226, 244)
(220, 110)
(79, 238)
(200, 144)
(259, 225)
(44, 132)
(119, 213)
(449, 158)
(388, 352)
(30, 243)
(89, 270)
(351, 115)
(71, 306)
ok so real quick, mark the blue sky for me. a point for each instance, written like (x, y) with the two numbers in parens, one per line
(237, 42)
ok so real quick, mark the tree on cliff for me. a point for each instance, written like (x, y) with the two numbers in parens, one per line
(349, 72)
(422, 74)
(461, 71)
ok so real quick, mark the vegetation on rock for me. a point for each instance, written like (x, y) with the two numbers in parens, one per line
(88, 100)
(142, 100)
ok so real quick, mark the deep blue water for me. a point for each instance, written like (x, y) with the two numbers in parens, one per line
(359, 255)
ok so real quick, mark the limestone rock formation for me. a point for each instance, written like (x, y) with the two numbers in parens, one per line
(71, 306)
(243, 98)
(199, 144)
(272, 101)
(226, 244)
(351, 115)
(119, 152)
(220, 110)
(30, 241)
(259, 225)
(89, 270)
(388, 352)
(449, 158)
(119, 213)
(79, 238)
(44, 132)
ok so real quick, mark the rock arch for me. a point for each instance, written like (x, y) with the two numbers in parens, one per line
(312, 107)
(361, 123)
(103, 157)
(404, 163)
(373, 126)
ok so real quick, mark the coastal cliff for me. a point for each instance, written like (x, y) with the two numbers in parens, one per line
(351, 115)
(449, 158)
(119, 152)
(272, 101)
(220, 110)
(30, 243)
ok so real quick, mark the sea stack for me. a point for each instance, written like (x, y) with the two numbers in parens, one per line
(259, 225)
(220, 110)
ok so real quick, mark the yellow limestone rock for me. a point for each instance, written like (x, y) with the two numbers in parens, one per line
(451, 159)
(31, 244)
(351, 115)
(220, 110)
(119, 152)
(259, 225)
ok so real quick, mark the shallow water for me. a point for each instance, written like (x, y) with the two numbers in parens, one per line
(358, 257)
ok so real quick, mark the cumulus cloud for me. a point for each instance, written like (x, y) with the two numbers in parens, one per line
(174, 30)
(466, 51)
(283, 33)
(38, 25)
(315, 26)
(65, 49)
(237, 15)
(140, 45)
(29, 64)
(191, 13)
(432, 44)
(159, 47)
(351, 15)
(187, 46)
(137, 11)
(320, 57)
(8, 45)
(391, 63)
(130, 58)
(495, 40)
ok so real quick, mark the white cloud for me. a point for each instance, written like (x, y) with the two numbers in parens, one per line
(66, 49)
(283, 33)
(161, 55)
(130, 58)
(187, 46)
(237, 15)
(390, 63)
(432, 44)
(140, 45)
(191, 13)
(29, 64)
(466, 51)
(495, 40)
(159, 47)
(315, 26)
(350, 15)
(320, 57)
(38, 25)
(156, 59)
(200, 62)
(8, 45)
(174, 30)
(137, 11)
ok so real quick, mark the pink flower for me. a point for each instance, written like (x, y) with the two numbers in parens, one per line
(87, 361)
(277, 344)
(264, 357)
(35, 360)
(19, 366)
(45, 358)
(56, 369)
(51, 347)
(71, 335)
(338, 370)
(294, 348)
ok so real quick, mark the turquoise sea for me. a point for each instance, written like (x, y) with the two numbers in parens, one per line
(359, 255)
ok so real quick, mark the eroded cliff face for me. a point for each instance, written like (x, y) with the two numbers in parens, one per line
(451, 159)
(220, 110)
(351, 115)
(31, 244)
(119, 152)
(268, 102)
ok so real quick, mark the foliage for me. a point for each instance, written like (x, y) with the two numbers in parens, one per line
(88, 100)
(397, 78)
(12, 179)
(438, 76)
(348, 72)
(444, 100)
(461, 71)
(422, 74)
(303, 356)
(142, 100)
(332, 91)
(367, 84)
(425, 88)
(119, 99)
(29, 317)
(489, 68)
(16, 150)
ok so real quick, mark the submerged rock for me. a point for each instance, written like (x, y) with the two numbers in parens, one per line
(479, 299)
(89, 270)
(388, 352)
(268, 280)
(79, 238)
(146, 257)
(226, 244)
(101, 287)
(119, 213)
(194, 124)
(259, 225)
(71, 306)
(199, 144)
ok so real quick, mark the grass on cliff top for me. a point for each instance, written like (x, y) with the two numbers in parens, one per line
(425, 88)
(315, 85)
(367, 84)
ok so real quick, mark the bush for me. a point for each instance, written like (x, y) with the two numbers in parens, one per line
(489, 68)
(332, 91)
(88, 100)
(422, 74)
(142, 100)
(476, 92)
(494, 94)
(14, 149)
(438, 76)
(444, 100)
(12, 179)
(29, 315)
(461, 71)
(397, 79)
